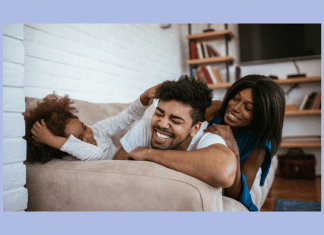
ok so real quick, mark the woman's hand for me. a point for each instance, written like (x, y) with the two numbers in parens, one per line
(149, 94)
(41, 133)
(226, 133)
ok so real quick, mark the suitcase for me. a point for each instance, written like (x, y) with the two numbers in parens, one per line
(296, 165)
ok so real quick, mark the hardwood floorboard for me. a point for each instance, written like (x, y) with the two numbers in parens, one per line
(299, 190)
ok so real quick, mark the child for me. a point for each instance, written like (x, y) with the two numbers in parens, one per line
(52, 129)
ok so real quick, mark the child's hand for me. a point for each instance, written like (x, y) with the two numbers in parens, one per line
(149, 94)
(41, 133)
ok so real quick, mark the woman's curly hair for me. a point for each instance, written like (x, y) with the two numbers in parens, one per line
(55, 111)
(188, 91)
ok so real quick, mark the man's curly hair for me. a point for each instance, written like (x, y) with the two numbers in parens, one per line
(188, 91)
(55, 111)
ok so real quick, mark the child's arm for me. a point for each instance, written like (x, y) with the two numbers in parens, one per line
(77, 148)
(111, 126)
(43, 135)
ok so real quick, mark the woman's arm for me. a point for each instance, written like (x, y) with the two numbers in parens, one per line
(250, 166)
(250, 169)
(213, 110)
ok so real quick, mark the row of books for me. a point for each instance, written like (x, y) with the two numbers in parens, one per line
(311, 101)
(200, 50)
(208, 75)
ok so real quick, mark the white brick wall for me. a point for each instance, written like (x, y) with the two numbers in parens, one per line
(14, 147)
(99, 63)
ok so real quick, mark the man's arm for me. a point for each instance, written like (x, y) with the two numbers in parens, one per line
(121, 154)
(215, 164)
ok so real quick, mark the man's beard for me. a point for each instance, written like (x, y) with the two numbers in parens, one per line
(165, 148)
(171, 147)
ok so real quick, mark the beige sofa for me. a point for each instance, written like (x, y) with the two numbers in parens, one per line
(124, 185)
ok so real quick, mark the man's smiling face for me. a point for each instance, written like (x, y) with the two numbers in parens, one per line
(172, 127)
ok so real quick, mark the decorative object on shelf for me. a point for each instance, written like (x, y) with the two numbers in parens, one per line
(209, 29)
(296, 164)
(273, 76)
(298, 74)
(165, 26)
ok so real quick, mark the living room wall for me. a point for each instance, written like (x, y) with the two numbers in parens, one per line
(100, 63)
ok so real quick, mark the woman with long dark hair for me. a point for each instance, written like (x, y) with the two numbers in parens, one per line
(250, 119)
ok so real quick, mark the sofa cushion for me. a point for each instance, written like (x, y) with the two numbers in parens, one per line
(111, 185)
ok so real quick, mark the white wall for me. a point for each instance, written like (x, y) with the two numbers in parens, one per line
(99, 63)
(14, 147)
(307, 125)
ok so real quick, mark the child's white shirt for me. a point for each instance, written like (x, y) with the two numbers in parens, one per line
(103, 131)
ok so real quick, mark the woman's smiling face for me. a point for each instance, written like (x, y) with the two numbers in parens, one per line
(240, 109)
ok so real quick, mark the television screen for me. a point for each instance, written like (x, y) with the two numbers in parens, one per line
(268, 43)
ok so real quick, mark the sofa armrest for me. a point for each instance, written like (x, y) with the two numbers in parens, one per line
(116, 186)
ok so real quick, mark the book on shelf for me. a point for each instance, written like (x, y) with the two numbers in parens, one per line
(218, 76)
(310, 100)
(211, 51)
(200, 76)
(303, 103)
(211, 74)
(200, 53)
(317, 101)
(206, 75)
(204, 48)
(193, 50)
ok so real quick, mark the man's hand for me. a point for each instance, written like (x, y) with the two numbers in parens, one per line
(41, 133)
(226, 133)
(141, 153)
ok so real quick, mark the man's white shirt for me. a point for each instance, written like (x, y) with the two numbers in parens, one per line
(141, 135)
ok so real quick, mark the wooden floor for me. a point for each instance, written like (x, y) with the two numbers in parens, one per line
(300, 190)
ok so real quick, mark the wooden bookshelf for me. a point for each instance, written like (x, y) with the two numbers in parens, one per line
(303, 112)
(283, 81)
(300, 144)
(209, 36)
(211, 60)
(298, 80)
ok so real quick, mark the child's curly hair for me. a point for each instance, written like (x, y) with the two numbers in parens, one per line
(55, 111)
